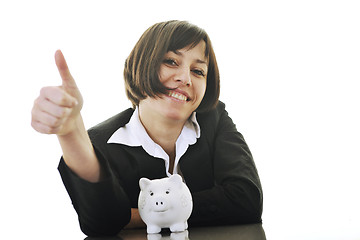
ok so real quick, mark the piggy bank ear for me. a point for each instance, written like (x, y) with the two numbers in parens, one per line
(176, 179)
(143, 183)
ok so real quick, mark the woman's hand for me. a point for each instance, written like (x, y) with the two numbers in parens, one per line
(57, 108)
(135, 221)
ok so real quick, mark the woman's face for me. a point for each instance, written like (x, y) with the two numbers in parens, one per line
(185, 71)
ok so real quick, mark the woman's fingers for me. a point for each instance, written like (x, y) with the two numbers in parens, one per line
(58, 96)
(45, 123)
(51, 109)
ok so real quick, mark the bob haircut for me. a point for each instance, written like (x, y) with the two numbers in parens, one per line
(143, 64)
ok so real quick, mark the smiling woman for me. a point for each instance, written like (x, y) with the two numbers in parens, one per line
(177, 126)
(141, 77)
(186, 86)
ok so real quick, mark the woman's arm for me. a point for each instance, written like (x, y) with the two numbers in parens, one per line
(57, 111)
(236, 194)
(100, 202)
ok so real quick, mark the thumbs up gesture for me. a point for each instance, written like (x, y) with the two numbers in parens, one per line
(57, 108)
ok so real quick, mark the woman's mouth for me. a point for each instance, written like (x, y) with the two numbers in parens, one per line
(178, 96)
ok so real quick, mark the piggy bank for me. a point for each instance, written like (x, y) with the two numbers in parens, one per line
(164, 203)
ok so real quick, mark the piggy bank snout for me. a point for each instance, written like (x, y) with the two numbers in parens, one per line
(160, 204)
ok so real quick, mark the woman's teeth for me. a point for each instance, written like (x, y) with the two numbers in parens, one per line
(178, 96)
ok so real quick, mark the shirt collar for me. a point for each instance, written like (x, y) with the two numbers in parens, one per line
(134, 134)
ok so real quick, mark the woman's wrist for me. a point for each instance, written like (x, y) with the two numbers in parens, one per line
(78, 152)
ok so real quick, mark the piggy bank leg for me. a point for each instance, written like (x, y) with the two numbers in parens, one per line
(179, 235)
(154, 237)
(178, 227)
(153, 229)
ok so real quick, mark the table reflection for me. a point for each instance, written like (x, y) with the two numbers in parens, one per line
(236, 232)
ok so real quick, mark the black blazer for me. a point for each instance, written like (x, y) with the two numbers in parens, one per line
(219, 171)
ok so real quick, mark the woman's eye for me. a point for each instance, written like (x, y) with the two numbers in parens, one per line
(170, 61)
(199, 72)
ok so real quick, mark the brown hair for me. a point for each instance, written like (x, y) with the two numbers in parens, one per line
(142, 65)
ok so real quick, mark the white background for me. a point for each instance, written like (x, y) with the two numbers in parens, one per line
(289, 76)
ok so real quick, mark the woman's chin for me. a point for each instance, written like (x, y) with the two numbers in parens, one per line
(175, 116)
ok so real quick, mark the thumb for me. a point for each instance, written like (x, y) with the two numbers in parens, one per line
(67, 80)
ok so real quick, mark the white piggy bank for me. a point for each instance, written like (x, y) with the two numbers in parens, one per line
(165, 203)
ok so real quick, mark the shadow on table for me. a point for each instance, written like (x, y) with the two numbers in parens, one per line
(235, 232)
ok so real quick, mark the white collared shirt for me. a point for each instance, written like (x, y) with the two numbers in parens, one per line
(134, 134)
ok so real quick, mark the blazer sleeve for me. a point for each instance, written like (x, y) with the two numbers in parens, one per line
(236, 196)
(103, 208)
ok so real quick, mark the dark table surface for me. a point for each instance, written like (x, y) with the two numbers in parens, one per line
(235, 232)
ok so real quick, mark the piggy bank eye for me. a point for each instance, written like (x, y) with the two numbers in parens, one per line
(151, 193)
(167, 192)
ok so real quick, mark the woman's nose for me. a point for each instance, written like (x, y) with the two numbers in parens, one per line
(184, 76)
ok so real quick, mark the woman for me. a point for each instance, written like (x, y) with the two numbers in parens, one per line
(176, 125)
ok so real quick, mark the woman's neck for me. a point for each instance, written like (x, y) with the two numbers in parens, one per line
(161, 130)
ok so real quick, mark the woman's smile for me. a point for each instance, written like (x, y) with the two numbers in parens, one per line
(179, 95)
